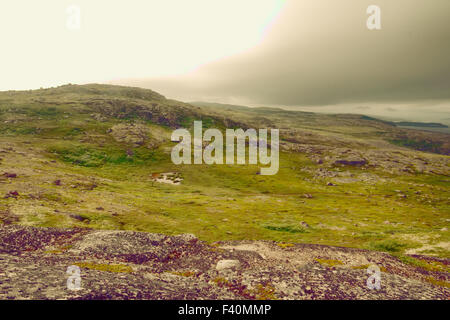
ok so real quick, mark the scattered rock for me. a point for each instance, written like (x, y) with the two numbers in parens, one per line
(10, 175)
(88, 186)
(134, 133)
(227, 264)
(99, 117)
(351, 162)
(168, 178)
(304, 225)
(12, 194)
(188, 237)
(79, 218)
(57, 182)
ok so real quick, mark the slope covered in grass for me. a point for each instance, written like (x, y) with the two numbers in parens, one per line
(84, 156)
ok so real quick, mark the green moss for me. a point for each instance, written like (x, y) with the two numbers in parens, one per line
(17, 130)
(329, 262)
(365, 266)
(265, 292)
(285, 245)
(429, 265)
(437, 282)
(90, 156)
(58, 250)
(220, 281)
(118, 268)
(289, 229)
(45, 112)
(388, 245)
(421, 145)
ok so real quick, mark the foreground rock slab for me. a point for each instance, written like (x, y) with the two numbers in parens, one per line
(136, 265)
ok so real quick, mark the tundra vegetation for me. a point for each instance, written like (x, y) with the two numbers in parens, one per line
(91, 156)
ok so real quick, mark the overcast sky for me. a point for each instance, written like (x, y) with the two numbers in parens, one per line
(320, 52)
(293, 53)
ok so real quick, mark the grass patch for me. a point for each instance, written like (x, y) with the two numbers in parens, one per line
(288, 229)
(118, 268)
(437, 282)
(428, 265)
(387, 246)
(366, 266)
(88, 156)
(265, 292)
(421, 145)
(329, 262)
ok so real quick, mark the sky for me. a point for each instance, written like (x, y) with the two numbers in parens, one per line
(301, 54)
(123, 38)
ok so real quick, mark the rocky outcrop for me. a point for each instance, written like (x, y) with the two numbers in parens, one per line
(132, 133)
(351, 162)
(135, 265)
(389, 160)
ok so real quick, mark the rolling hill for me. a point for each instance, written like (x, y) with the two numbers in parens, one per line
(87, 156)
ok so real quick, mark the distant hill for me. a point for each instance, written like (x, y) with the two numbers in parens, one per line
(420, 124)
(219, 105)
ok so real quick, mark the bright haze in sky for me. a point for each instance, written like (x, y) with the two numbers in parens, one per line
(304, 54)
(123, 39)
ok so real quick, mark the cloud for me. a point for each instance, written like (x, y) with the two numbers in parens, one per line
(320, 52)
